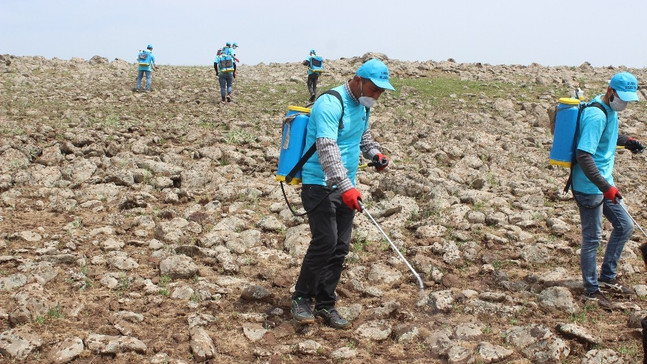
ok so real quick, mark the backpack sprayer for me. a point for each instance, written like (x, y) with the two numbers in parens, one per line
(392, 245)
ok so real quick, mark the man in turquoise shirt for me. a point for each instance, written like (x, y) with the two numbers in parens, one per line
(315, 67)
(225, 68)
(329, 194)
(594, 189)
(145, 66)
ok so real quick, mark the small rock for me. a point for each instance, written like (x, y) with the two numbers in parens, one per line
(579, 333)
(19, 342)
(375, 330)
(178, 266)
(343, 353)
(309, 347)
(254, 332)
(491, 353)
(67, 350)
(255, 293)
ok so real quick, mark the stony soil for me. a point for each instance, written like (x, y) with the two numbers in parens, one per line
(148, 227)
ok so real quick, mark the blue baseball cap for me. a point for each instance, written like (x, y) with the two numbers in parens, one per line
(150, 46)
(376, 71)
(625, 85)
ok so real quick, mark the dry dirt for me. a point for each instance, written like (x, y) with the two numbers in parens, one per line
(50, 102)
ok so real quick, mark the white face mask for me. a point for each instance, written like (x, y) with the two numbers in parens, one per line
(617, 104)
(365, 100)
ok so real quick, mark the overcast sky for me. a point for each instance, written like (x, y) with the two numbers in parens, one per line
(188, 32)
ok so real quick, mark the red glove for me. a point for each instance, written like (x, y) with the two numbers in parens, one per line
(612, 194)
(380, 161)
(350, 198)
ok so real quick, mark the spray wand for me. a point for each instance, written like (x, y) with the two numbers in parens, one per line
(392, 245)
(643, 247)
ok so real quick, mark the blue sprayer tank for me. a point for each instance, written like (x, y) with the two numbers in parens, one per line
(561, 154)
(293, 142)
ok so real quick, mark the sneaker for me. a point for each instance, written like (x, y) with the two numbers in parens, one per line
(223, 102)
(301, 311)
(600, 298)
(228, 98)
(613, 286)
(332, 318)
(312, 98)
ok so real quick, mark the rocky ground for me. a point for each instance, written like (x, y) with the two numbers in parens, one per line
(148, 227)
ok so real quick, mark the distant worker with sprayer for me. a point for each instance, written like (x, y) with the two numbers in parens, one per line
(340, 130)
(315, 67)
(145, 66)
(225, 66)
(229, 49)
(594, 189)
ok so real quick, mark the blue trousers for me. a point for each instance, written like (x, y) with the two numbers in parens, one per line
(149, 76)
(591, 220)
(226, 79)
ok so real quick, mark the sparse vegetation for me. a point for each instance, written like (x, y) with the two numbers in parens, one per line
(456, 144)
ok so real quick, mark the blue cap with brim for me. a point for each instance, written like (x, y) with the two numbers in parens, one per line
(626, 85)
(376, 71)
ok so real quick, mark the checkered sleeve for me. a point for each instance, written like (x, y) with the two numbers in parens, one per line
(368, 146)
(330, 160)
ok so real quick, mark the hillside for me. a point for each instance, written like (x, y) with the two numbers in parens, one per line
(148, 227)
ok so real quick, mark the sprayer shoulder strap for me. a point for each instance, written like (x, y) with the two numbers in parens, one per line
(599, 106)
(341, 101)
(313, 147)
(569, 182)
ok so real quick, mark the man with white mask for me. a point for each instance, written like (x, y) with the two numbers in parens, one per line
(594, 189)
(340, 129)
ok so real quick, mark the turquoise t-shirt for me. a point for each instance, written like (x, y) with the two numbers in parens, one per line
(598, 136)
(309, 60)
(324, 123)
(146, 65)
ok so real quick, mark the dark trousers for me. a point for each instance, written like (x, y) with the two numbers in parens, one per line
(331, 225)
(312, 83)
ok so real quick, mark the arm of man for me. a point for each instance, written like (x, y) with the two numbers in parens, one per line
(622, 139)
(215, 67)
(586, 162)
(330, 160)
(630, 143)
(368, 146)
